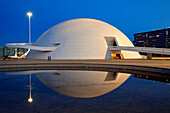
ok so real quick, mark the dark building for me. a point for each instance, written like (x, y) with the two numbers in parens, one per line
(157, 38)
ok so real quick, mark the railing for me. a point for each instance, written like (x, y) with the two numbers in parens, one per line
(142, 49)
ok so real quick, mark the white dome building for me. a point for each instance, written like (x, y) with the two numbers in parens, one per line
(82, 39)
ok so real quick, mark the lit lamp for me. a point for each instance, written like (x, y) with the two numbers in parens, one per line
(30, 99)
(29, 14)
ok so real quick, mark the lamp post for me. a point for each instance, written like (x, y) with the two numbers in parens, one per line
(29, 14)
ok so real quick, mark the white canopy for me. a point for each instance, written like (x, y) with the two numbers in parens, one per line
(30, 46)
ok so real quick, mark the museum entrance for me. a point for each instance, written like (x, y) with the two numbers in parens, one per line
(111, 42)
(117, 56)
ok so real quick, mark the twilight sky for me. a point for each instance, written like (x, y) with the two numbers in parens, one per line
(129, 16)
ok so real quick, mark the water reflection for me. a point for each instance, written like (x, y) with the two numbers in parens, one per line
(78, 83)
(30, 99)
(82, 84)
(137, 95)
(160, 78)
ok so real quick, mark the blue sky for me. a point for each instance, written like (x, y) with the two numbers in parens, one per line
(129, 16)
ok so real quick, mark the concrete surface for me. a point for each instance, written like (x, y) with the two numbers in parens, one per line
(157, 66)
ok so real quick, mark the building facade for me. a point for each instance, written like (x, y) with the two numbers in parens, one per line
(157, 38)
(81, 39)
(11, 51)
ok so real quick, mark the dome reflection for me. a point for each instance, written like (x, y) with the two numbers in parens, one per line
(82, 84)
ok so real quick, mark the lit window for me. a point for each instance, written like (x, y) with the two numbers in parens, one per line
(138, 34)
(140, 41)
(157, 35)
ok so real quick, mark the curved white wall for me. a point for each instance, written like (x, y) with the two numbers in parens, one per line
(81, 39)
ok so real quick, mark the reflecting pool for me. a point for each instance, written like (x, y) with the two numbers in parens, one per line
(82, 91)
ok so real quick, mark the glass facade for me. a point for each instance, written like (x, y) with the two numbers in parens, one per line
(158, 38)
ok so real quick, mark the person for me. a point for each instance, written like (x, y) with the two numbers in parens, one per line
(49, 58)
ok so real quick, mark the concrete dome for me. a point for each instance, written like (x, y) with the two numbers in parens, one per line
(82, 84)
(81, 39)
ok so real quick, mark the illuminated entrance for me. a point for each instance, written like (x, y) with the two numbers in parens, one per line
(117, 56)
(111, 41)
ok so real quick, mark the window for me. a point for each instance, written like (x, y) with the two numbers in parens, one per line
(140, 41)
(144, 36)
(157, 35)
(138, 34)
(111, 41)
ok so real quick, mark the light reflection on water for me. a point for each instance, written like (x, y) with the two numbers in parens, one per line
(82, 91)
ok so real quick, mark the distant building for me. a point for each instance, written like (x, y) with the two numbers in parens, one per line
(11, 51)
(1, 52)
(157, 38)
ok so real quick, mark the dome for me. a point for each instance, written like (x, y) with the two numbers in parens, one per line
(81, 39)
(82, 84)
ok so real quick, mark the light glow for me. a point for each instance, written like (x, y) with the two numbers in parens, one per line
(30, 100)
(29, 14)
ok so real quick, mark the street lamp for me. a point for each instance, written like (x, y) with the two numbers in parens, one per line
(29, 14)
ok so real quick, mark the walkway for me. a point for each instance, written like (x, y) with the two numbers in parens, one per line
(164, 51)
(162, 66)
